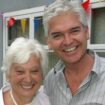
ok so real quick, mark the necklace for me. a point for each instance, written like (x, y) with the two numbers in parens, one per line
(13, 98)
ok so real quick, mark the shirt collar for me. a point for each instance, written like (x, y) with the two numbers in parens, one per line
(97, 64)
(59, 67)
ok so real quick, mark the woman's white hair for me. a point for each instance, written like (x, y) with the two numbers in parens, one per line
(61, 6)
(20, 52)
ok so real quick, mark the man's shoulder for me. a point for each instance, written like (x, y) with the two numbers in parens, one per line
(101, 60)
(55, 70)
(50, 75)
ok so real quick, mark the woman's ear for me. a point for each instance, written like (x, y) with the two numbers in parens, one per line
(7, 76)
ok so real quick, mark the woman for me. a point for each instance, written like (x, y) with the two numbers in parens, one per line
(23, 64)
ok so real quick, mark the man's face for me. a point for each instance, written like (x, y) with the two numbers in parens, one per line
(67, 37)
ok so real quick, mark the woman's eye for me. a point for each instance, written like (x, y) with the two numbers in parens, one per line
(35, 71)
(20, 72)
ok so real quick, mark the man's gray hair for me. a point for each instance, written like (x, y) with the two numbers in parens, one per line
(61, 6)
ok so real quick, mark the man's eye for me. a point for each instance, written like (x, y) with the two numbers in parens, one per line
(56, 35)
(75, 31)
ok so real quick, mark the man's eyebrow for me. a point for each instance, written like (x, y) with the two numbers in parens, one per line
(77, 27)
(73, 28)
(55, 33)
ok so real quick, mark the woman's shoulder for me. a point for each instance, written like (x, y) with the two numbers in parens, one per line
(42, 97)
(1, 97)
(3, 89)
(41, 94)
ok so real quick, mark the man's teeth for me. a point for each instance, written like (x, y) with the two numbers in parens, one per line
(70, 49)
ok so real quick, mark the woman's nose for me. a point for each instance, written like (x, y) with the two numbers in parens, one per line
(28, 77)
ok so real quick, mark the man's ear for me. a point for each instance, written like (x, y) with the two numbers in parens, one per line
(46, 39)
(87, 33)
(48, 42)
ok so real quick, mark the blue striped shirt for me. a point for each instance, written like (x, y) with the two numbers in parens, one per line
(90, 92)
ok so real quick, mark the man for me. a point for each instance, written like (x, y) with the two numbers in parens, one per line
(79, 77)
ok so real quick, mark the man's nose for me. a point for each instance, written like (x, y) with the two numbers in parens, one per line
(67, 39)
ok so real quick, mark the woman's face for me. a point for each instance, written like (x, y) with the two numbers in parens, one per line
(26, 79)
